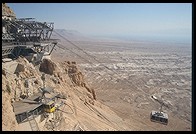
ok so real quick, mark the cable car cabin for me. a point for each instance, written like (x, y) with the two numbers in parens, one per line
(49, 107)
(159, 117)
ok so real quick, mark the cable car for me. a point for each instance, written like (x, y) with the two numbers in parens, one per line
(159, 117)
(49, 107)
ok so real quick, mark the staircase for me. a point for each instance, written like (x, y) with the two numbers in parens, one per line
(33, 123)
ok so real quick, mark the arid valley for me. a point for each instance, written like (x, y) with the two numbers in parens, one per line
(125, 74)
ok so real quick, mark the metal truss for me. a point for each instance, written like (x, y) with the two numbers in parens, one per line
(26, 33)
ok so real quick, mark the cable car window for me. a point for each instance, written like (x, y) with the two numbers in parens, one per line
(156, 118)
(52, 105)
(161, 119)
(152, 117)
(46, 106)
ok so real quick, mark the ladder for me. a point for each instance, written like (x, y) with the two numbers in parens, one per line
(33, 123)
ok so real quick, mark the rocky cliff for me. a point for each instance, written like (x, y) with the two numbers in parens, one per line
(81, 110)
(7, 11)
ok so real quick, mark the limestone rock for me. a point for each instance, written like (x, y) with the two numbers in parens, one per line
(48, 66)
(7, 11)
(20, 68)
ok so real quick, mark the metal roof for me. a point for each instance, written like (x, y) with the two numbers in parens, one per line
(35, 96)
(22, 107)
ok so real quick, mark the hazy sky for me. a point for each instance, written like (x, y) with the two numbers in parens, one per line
(119, 19)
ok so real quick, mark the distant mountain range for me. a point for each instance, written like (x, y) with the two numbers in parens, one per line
(71, 35)
(74, 35)
(68, 32)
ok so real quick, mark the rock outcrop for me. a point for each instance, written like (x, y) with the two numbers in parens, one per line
(48, 66)
(81, 106)
(7, 11)
(77, 77)
(8, 117)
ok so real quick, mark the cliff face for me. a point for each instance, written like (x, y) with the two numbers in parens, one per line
(7, 11)
(8, 117)
(81, 110)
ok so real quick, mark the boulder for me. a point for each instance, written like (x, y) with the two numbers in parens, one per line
(7, 11)
(48, 66)
(20, 68)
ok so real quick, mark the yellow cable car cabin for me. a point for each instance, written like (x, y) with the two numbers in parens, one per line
(49, 107)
